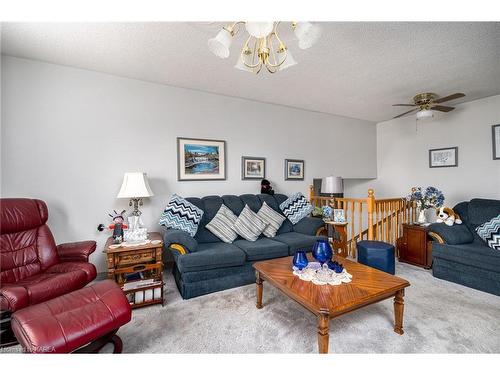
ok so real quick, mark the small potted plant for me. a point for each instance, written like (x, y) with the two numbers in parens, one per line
(430, 197)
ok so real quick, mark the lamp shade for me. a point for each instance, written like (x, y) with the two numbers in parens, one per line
(135, 185)
(240, 64)
(307, 33)
(219, 45)
(332, 185)
(425, 113)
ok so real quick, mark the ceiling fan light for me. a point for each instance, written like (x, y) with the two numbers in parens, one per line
(259, 29)
(307, 34)
(425, 113)
(219, 45)
(240, 64)
(289, 60)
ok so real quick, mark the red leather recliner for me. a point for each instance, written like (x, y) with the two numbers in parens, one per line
(32, 268)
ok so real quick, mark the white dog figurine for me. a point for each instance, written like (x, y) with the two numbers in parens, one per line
(448, 216)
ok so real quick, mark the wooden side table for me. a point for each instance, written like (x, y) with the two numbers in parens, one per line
(144, 263)
(339, 241)
(415, 247)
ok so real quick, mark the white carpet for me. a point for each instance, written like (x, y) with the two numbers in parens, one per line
(439, 317)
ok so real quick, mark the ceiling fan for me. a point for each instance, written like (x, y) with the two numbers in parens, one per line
(427, 102)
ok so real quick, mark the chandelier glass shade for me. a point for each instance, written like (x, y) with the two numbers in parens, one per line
(263, 47)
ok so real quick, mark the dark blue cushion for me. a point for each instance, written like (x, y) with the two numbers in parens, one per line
(171, 236)
(210, 256)
(287, 226)
(297, 241)
(483, 210)
(263, 248)
(211, 205)
(270, 200)
(377, 254)
(454, 235)
(309, 225)
(252, 201)
(234, 203)
(476, 254)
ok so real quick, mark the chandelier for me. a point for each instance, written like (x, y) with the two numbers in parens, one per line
(263, 46)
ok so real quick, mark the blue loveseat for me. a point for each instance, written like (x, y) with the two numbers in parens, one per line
(210, 265)
(460, 255)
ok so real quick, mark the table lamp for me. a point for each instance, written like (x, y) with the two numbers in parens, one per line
(135, 186)
(332, 185)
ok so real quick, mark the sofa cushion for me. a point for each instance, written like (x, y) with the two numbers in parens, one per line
(210, 205)
(490, 232)
(249, 225)
(454, 235)
(181, 214)
(272, 218)
(287, 226)
(297, 241)
(476, 254)
(210, 256)
(221, 225)
(263, 248)
(296, 207)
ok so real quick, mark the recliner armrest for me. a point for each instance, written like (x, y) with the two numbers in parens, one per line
(454, 235)
(309, 225)
(76, 251)
(176, 236)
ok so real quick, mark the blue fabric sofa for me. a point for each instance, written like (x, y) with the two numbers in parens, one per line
(460, 255)
(211, 265)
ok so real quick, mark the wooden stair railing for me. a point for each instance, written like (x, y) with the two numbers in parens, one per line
(369, 218)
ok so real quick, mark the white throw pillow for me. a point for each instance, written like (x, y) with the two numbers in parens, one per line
(221, 225)
(249, 225)
(272, 218)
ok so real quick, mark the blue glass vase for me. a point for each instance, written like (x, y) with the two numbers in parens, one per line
(322, 251)
(300, 260)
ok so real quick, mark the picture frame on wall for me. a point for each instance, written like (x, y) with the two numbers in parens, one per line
(253, 168)
(443, 157)
(294, 169)
(201, 159)
(495, 133)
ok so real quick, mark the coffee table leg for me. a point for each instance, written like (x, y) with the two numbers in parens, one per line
(398, 311)
(258, 281)
(323, 332)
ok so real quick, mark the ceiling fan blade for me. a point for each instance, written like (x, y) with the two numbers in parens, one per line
(403, 105)
(449, 97)
(442, 108)
(410, 111)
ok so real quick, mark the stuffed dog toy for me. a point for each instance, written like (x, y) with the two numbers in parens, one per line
(448, 216)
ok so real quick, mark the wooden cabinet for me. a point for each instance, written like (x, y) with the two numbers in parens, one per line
(415, 247)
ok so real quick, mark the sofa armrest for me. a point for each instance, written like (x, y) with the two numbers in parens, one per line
(454, 235)
(179, 237)
(309, 225)
(75, 251)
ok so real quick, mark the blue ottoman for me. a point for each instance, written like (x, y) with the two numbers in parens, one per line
(377, 254)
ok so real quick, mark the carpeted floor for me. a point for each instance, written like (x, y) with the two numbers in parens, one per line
(439, 317)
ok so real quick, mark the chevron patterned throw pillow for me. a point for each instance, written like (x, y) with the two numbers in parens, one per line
(181, 214)
(490, 232)
(296, 207)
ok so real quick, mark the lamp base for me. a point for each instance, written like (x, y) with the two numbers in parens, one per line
(136, 202)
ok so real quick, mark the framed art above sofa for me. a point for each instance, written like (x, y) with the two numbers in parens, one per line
(496, 141)
(294, 169)
(201, 159)
(253, 168)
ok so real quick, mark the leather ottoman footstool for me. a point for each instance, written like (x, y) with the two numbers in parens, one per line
(377, 254)
(82, 321)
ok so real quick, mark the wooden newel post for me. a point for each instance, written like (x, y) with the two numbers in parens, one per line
(370, 206)
(311, 193)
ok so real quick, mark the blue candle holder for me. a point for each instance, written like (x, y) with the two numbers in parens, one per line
(300, 260)
(322, 251)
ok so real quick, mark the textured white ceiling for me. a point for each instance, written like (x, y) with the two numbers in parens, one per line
(356, 69)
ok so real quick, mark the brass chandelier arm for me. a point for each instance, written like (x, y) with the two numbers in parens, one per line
(252, 66)
(267, 62)
(231, 28)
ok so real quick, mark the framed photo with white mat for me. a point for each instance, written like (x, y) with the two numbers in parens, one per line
(496, 141)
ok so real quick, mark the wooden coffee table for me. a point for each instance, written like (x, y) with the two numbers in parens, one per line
(368, 286)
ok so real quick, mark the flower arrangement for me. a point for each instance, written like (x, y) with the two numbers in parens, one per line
(430, 197)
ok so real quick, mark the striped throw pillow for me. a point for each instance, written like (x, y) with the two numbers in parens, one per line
(271, 218)
(181, 214)
(221, 225)
(296, 207)
(249, 225)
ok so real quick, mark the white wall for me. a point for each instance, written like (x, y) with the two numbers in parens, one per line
(68, 135)
(403, 154)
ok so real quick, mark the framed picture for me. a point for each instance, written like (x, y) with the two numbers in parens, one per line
(201, 159)
(443, 157)
(253, 168)
(338, 215)
(294, 169)
(496, 141)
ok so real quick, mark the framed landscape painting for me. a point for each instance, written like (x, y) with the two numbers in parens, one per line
(294, 169)
(443, 157)
(496, 141)
(201, 159)
(253, 168)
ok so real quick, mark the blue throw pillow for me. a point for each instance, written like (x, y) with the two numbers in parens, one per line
(490, 232)
(181, 214)
(296, 207)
